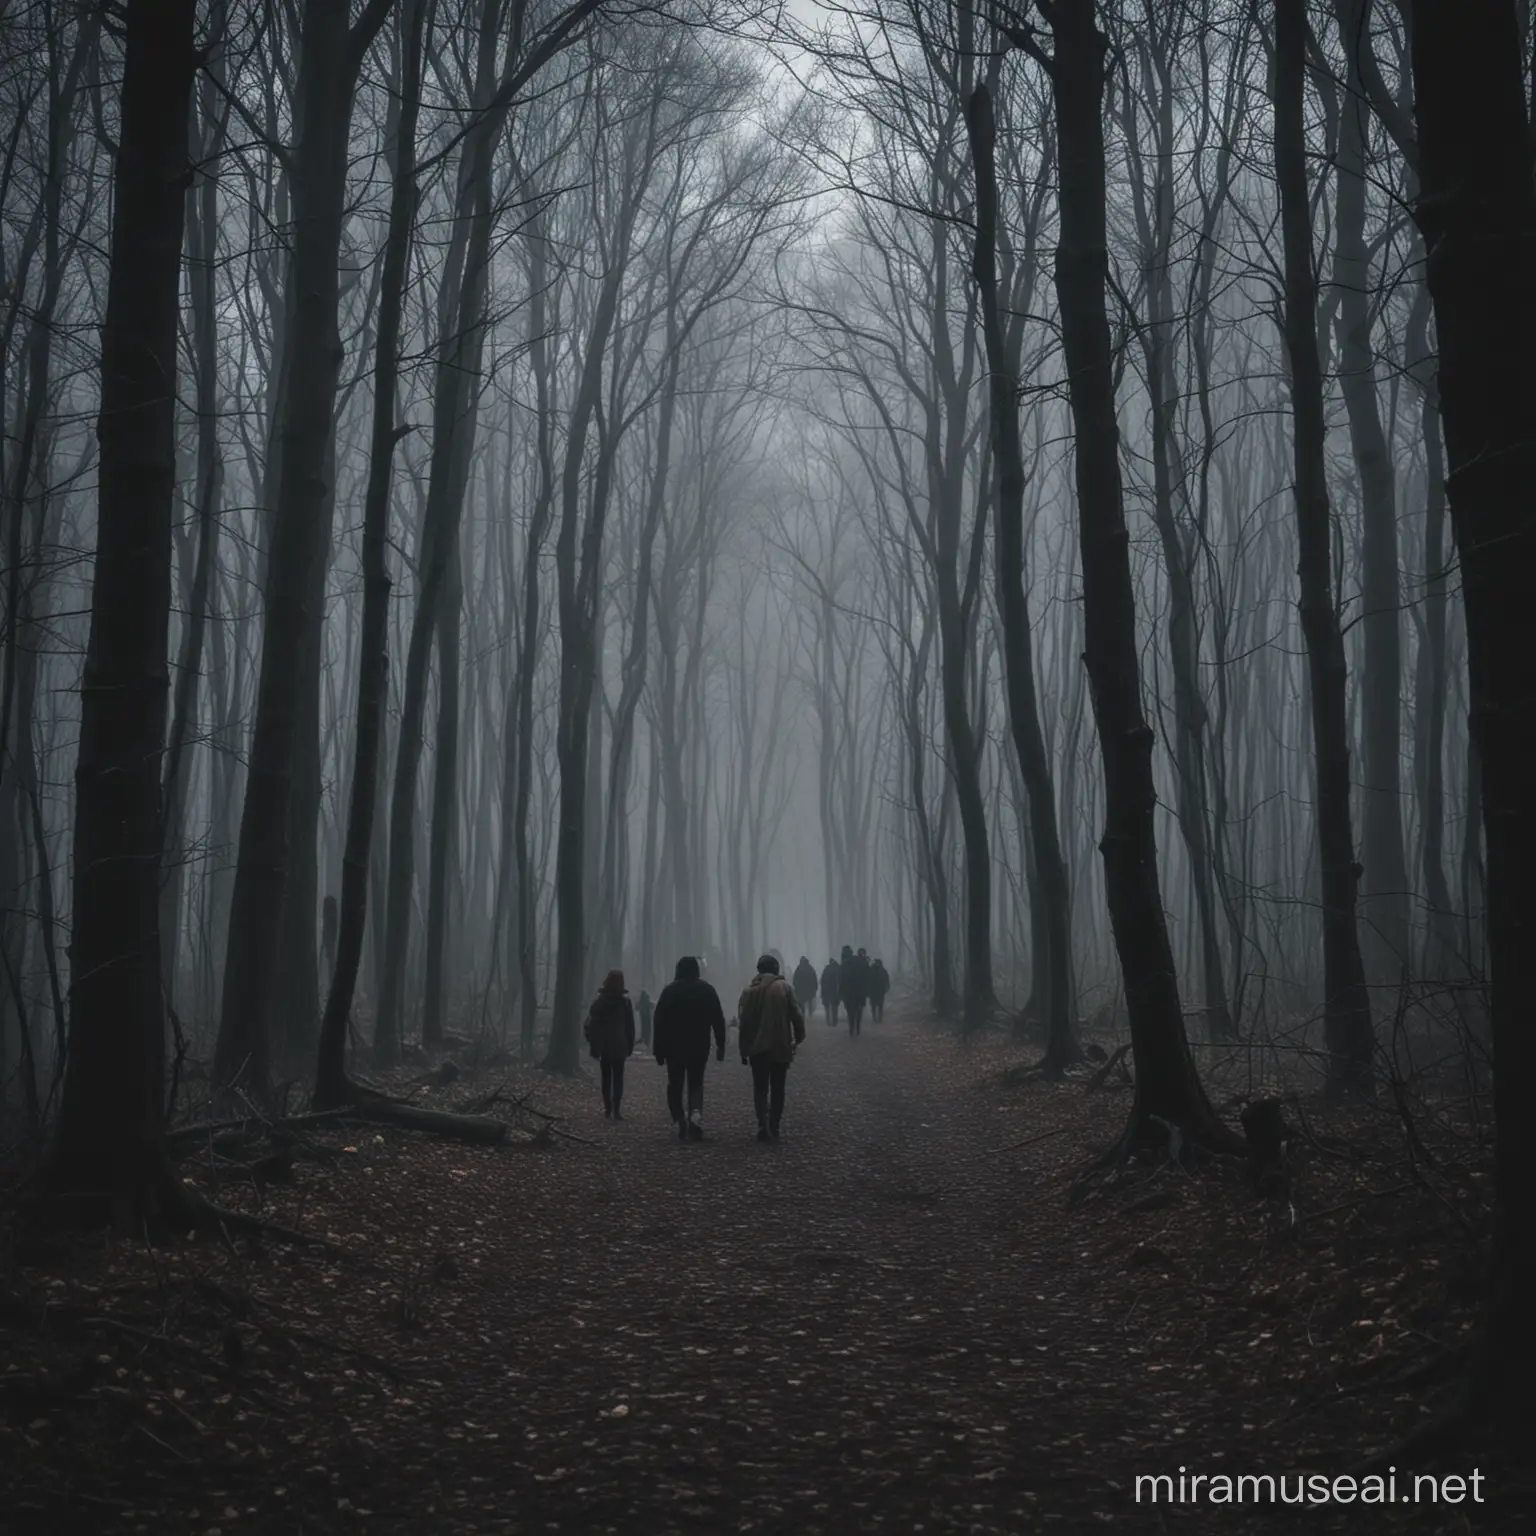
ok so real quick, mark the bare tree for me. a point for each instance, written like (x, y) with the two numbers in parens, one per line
(1477, 212)
(1347, 1016)
(110, 1158)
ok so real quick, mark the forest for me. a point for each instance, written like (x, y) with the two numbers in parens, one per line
(1023, 495)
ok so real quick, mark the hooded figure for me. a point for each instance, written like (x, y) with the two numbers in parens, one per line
(772, 1028)
(879, 985)
(610, 1032)
(644, 1007)
(805, 986)
(830, 990)
(688, 1013)
(854, 986)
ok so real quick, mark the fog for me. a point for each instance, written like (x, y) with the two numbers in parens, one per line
(686, 482)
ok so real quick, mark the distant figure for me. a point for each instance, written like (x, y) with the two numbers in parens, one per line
(879, 985)
(772, 1028)
(805, 986)
(854, 987)
(610, 1032)
(644, 1007)
(830, 991)
(688, 1012)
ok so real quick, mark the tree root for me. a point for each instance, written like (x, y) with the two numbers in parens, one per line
(1147, 1131)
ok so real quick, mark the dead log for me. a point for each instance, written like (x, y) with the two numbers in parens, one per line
(478, 1130)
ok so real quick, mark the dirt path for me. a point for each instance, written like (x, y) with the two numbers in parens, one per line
(886, 1322)
(818, 1335)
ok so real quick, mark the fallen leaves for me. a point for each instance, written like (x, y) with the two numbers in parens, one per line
(882, 1324)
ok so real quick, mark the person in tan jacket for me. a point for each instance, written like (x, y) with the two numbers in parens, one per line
(771, 1028)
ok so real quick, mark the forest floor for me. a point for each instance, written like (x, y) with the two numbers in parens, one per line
(890, 1321)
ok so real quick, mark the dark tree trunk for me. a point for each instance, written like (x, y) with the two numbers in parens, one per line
(1050, 897)
(1347, 1007)
(202, 209)
(636, 657)
(1167, 1084)
(526, 906)
(331, 57)
(1431, 679)
(1477, 212)
(455, 415)
(110, 1156)
(445, 799)
(578, 552)
(1154, 198)
(1384, 886)
(296, 1001)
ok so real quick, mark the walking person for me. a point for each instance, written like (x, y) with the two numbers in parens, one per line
(830, 991)
(879, 985)
(688, 1013)
(772, 1029)
(644, 1007)
(610, 1032)
(854, 986)
(805, 986)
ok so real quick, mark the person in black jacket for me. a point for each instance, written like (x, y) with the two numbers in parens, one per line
(805, 986)
(687, 1013)
(853, 984)
(879, 985)
(830, 990)
(610, 1032)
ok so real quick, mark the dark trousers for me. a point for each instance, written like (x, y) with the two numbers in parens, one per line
(613, 1081)
(680, 1073)
(832, 1011)
(768, 1080)
(876, 1009)
(855, 1016)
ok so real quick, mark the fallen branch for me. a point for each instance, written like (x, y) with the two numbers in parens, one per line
(1098, 1078)
(1030, 1141)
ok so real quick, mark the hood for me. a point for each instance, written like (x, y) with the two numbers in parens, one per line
(687, 969)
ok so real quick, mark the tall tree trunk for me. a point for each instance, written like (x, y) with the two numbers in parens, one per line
(1431, 682)
(1167, 1084)
(296, 1001)
(1154, 202)
(455, 416)
(445, 797)
(1384, 893)
(331, 1087)
(1347, 1007)
(110, 1155)
(331, 57)
(203, 212)
(542, 365)
(578, 567)
(1477, 212)
(1050, 896)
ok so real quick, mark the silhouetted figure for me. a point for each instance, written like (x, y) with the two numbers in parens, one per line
(805, 986)
(879, 985)
(610, 1032)
(830, 990)
(644, 1007)
(854, 987)
(772, 1028)
(688, 1012)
